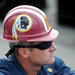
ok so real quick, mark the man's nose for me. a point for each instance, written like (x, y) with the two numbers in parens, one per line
(53, 47)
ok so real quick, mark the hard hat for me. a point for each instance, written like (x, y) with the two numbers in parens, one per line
(27, 23)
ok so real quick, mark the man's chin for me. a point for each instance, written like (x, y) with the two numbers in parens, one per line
(52, 60)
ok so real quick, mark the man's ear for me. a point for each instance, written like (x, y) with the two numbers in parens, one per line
(23, 52)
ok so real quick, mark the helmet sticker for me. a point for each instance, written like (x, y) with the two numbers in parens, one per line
(22, 23)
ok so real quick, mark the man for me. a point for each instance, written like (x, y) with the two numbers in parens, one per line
(31, 47)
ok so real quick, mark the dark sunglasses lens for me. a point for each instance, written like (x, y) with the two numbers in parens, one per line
(44, 45)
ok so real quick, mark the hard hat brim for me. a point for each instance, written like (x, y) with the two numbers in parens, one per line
(49, 37)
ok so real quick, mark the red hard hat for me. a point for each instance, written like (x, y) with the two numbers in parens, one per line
(27, 23)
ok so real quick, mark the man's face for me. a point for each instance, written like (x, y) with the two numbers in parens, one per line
(42, 57)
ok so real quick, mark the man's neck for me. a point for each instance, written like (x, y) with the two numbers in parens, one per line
(33, 71)
(30, 68)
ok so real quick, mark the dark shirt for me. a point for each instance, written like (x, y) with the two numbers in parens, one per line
(12, 67)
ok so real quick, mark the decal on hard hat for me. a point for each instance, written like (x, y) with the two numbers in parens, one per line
(22, 23)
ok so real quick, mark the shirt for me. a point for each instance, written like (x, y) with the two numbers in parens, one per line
(11, 66)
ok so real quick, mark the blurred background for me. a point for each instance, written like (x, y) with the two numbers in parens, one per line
(61, 15)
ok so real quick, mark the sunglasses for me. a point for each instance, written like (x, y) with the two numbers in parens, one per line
(42, 46)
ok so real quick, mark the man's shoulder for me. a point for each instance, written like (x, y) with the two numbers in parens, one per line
(3, 61)
(5, 68)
